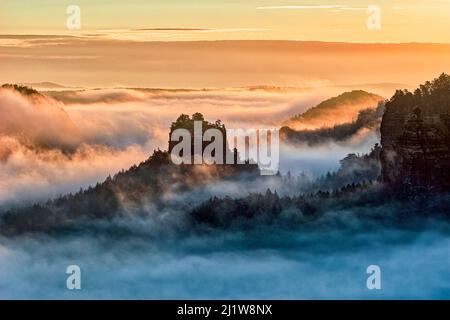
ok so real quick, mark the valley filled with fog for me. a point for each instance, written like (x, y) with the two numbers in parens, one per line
(63, 141)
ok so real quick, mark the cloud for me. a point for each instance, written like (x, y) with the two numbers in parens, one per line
(207, 64)
(353, 9)
(14, 43)
(235, 107)
(304, 158)
(195, 30)
(28, 175)
(299, 7)
(99, 95)
(28, 41)
(151, 34)
(71, 139)
(166, 255)
(302, 7)
(45, 152)
(76, 138)
(48, 57)
(163, 256)
(171, 29)
(224, 30)
(36, 120)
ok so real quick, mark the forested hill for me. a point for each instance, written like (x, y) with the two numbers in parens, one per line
(367, 119)
(334, 111)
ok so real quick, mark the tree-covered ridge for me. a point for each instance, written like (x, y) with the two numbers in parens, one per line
(26, 91)
(366, 201)
(432, 97)
(346, 98)
(368, 118)
(145, 186)
(186, 122)
(354, 168)
(128, 192)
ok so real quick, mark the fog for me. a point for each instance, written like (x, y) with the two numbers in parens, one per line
(73, 139)
(164, 257)
(168, 255)
(323, 158)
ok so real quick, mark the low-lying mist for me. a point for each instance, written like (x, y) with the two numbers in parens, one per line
(166, 253)
(165, 256)
(74, 139)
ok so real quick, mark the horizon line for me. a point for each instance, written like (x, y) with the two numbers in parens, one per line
(96, 37)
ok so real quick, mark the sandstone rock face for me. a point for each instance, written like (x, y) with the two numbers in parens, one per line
(415, 140)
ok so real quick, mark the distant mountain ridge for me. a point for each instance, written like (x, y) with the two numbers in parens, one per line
(44, 85)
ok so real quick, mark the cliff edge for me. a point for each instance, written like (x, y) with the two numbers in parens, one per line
(415, 137)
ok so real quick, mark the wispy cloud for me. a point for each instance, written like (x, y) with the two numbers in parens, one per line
(173, 33)
(300, 7)
(174, 29)
(14, 43)
(236, 30)
(19, 41)
(171, 29)
(48, 57)
(354, 8)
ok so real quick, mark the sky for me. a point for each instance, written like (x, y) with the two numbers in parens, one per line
(168, 20)
(92, 62)
(147, 43)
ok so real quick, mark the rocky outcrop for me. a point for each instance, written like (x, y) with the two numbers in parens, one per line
(415, 138)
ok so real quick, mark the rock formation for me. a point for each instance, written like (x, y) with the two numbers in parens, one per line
(415, 137)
